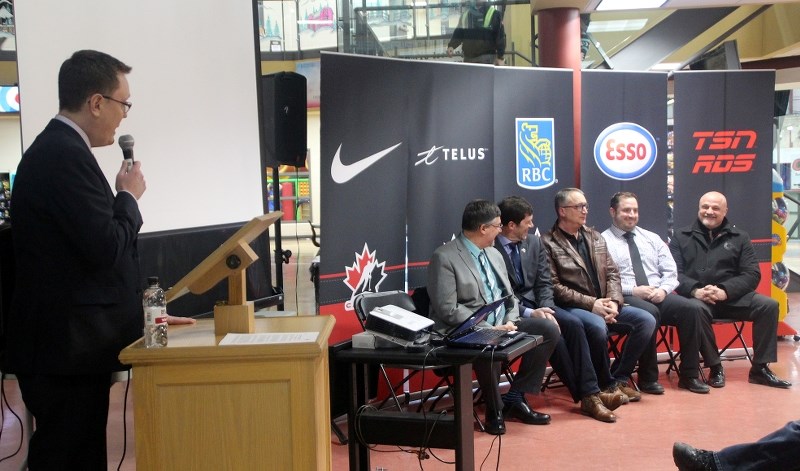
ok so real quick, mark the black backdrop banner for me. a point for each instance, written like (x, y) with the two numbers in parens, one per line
(624, 144)
(363, 153)
(723, 142)
(461, 132)
(451, 154)
(534, 145)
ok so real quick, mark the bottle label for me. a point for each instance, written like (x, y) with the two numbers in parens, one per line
(155, 315)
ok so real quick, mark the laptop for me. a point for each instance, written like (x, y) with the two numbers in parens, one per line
(470, 335)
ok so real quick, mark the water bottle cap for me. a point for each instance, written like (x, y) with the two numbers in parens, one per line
(152, 280)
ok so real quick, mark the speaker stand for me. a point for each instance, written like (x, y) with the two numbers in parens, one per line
(281, 256)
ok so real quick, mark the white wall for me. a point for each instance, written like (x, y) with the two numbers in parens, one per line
(10, 143)
(193, 88)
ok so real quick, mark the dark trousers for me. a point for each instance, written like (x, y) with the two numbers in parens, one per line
(71, 413)
(762, 312)
(572, 358)
(691, 321)
(531, 370)
(778, 450)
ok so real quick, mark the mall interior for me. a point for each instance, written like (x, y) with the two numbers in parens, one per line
(290, 36)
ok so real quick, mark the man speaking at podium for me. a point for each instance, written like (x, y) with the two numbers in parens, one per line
(77, 302)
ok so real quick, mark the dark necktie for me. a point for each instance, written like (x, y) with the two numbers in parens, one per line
(513, 253)
(636, 260)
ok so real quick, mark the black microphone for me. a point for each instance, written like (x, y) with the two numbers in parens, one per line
(126, 143)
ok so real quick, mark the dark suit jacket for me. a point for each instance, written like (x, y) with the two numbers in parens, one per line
(535, 290)
(456, 288)
(76, 302)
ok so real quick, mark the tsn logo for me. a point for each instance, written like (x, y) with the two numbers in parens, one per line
(729, 151)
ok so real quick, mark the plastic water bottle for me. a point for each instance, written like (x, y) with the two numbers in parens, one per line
(155, 314)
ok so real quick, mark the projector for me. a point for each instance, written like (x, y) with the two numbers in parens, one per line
(398, 325)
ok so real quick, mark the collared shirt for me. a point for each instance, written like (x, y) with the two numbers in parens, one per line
(507, 246)
(489, 277)
(659, 266)
(77, 129)
(581, 245)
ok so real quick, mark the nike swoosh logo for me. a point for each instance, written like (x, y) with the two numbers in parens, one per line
(342, 173)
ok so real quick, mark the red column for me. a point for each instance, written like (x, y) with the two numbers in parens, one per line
(560, 46)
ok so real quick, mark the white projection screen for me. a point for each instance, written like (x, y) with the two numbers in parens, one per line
(193, 89)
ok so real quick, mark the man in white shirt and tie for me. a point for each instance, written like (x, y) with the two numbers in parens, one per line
(648, 276)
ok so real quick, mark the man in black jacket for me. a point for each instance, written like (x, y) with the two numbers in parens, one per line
(717, 267)
(76, 302)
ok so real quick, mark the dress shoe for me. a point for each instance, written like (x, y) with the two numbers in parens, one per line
(761, 374)
(694, 385)
(717, 377)
(594, 408)
(688, 458)
(651, 387)
(612, 399)
(633, 395)
(521, 410)
(494, 424)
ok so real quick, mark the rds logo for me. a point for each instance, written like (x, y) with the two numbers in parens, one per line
(625, 151)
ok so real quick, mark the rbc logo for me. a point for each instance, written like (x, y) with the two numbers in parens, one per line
(535, 153)
(625, 151)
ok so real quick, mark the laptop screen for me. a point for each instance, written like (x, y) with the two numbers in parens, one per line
(477, 317)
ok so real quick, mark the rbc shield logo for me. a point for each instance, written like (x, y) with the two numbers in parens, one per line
(535, 153)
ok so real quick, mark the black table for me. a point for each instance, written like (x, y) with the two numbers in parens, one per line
(414, 429)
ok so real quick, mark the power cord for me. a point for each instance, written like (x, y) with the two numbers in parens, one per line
(3, 407)
(125, 421)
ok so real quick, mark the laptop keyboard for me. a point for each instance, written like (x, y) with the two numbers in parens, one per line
(483, 335)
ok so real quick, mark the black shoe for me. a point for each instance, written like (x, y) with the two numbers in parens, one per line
(522, 411)
(761, 374)
(495, 425)
(717, 377)
(688, 458)
(694, 385)
(651, 387)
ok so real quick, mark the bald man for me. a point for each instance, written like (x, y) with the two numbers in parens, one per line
(717, 269)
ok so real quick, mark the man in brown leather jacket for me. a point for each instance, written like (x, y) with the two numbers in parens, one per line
(586, 283)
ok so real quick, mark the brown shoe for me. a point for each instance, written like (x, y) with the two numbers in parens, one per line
(612, 399)
(633, 395)
(594, 408)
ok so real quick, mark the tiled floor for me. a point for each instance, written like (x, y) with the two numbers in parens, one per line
(640, 440)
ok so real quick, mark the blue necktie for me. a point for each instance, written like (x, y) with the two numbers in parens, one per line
(515, 260)
(491, 283)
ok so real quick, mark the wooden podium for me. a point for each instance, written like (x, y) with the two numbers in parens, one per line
(198, 405)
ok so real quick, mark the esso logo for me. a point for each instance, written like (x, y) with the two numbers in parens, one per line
(625, 151)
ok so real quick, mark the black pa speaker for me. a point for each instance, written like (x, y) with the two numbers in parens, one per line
(283, 96)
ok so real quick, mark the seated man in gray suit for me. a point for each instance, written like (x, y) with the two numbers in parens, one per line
(468, 272)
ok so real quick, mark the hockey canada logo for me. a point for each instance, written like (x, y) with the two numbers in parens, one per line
(535, 153)
(625, 151)
(366, 274)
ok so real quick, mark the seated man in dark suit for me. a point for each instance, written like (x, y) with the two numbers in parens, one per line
(529, 272)
(463, 275)
(718, 271)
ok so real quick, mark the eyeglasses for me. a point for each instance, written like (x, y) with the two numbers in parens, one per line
(496, 226)
(125, 104)
(579, 207)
